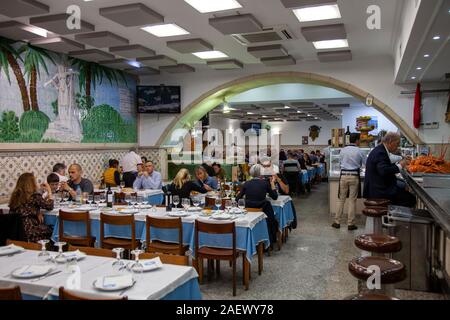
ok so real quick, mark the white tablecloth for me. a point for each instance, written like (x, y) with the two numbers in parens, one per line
(144, 193)
(153, 285)
(281, 201)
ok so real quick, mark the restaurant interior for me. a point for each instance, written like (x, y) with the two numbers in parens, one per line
(199, 149)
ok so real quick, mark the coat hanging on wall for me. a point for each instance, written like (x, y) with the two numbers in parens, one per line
(417, 106)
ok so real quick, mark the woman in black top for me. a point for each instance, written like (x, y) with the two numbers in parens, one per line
(182, 185)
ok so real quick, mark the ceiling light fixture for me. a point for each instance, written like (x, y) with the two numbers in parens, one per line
(436, 37)
(36, 30)
(317, 13)
(205, 6)
(287, 107)
(413, 78)
(331, 44)
(264, 116)
(250, 113)
(299, 111)
(419, 68)
(165, 30)
(210, 54)
(135, 64)
(426, 55)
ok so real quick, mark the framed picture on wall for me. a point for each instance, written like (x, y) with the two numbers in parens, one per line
(305, 140)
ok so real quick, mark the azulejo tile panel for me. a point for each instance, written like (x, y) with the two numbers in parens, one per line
(93, 162)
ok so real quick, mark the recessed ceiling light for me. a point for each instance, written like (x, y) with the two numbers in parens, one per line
(436, 37)
(210, 54)
(287, 107)
(413, 78)
(36, 30)
(205, 6)
(419, 68)
(165, 30)
(250, 113)
(135, 64)
(317, 13)
(331, 44)
(299, 111)
(426, 55)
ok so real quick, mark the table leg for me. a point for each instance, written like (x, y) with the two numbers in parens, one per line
(260, 250)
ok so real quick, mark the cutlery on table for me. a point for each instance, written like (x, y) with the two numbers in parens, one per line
(46, 276)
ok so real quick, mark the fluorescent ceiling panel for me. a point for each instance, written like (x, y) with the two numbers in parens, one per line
(325, 12)
(205, 6)
(190, 45)
(22, 8)
(132, 51)
(57, 44)
(165, 30)
(131, 15)
(101, 39)
(331, 44)
(237, 24)
(210, 55)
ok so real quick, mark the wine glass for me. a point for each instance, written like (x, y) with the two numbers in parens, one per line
(218, 203)
(228, 205)
(65, 197)
(102, 198)
(90, 199)
(84, 197)
(118, 265)
(140, 201)
(122, 185)
(241, 204)
(137, 268)
(43, 256)
(176, 200)
(186, 203)
(128, 198)
(195, 201)
(60, 256)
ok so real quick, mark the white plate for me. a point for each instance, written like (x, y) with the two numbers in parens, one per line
(31, 271)
(223, 216)
(195, 209)
(128, 211)
(10, 249)
(237, 211)
(179, 214)
(86, 208)
(149, 264)
(107, 283)
(70, 254)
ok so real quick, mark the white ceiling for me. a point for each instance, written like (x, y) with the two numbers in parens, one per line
(363, 42)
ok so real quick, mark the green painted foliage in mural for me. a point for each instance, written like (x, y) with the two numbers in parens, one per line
(55, 107)
(9, 126)
(33, 125)
(103, 124)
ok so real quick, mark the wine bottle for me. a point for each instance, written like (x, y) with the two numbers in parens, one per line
(168, 201)
(347, 136)
(109, 197)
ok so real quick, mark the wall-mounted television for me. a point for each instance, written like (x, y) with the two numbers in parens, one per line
(158, 99)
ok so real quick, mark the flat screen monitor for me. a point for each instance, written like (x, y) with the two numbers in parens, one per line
(158, 99)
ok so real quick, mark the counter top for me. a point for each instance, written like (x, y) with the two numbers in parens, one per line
(437, 200)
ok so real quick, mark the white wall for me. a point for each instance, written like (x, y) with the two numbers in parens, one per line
(375, 76)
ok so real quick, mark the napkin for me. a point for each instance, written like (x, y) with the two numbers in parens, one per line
(151, 264)
(30, 270)
(119, 281)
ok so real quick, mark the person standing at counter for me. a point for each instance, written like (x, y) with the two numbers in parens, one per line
(380, 180)
(351, 159)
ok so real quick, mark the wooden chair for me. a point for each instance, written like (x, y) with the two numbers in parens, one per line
(25, 245)
(211, 253)
(94, 251)
(162, 246)
(86, 241)
(66, 295)
(167, 258)
(114, 242)
(11, 293)
(119, 198)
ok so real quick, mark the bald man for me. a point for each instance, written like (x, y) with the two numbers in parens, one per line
(76, 180)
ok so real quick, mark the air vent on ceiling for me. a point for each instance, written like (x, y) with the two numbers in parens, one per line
(268, 35)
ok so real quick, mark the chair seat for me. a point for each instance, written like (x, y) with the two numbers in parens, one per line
(378, 243)
(375, 212)
(74, 240)
(117, 242)
(376, 202)
(164, 247)
(370, 296)
(392, 271)
(216, 252)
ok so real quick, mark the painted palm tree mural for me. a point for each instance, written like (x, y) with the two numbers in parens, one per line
(58, 98)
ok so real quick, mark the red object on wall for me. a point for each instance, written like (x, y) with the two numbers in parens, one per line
(417, 105)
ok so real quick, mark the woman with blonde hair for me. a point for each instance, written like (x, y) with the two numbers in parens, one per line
(27, 201)
(183, 186)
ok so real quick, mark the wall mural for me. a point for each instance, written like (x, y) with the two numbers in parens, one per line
(50, 97)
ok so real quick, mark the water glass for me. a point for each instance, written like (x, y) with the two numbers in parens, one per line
(186, 203)
(218, 203)
(60, 256)
(137, 268)
(176, 201)
(118, 265)
(90, 199)
(195, 201)
(241, 204)
(228, 205)
(128, 198)
(44, 255)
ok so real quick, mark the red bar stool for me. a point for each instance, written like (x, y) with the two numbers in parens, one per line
(391, 272)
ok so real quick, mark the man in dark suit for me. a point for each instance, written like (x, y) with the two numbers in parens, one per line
(380, 180)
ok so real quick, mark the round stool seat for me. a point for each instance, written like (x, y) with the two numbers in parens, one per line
(376, 202)
(375, 212)
(378, 243)
(392, 271)
(370, 296)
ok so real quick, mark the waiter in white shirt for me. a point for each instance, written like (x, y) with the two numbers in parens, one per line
(351, 159)
(130, 163)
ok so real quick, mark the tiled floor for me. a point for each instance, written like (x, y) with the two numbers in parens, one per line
(312, 265)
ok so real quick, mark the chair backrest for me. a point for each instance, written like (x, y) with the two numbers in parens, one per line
(1, 211)
(117, 220)
(99, 252)
(25, 245)
(66, 295)
(166, 258)
(82, 216)
(12, 293)
(164, 223)
(214, 228)
(254, 209)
